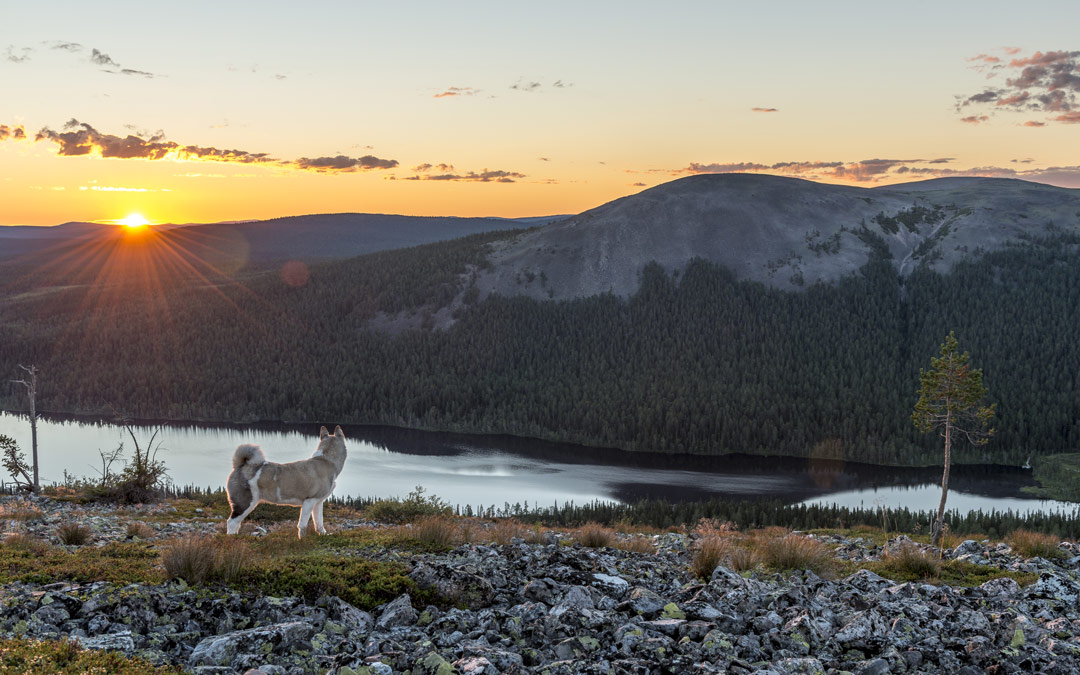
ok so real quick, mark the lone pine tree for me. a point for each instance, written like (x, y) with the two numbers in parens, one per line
(950, 400)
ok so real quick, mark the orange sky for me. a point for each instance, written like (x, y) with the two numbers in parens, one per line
(484, 109)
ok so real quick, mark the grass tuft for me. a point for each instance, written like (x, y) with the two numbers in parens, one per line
(796, 552)
(74, 534)
(507, 529)
(908, 562)
(709, 552)
(636, 543)
(140, 530)
(27, 543)
(21, 512)
(1033, 544)
(190, 558)
(594, 535)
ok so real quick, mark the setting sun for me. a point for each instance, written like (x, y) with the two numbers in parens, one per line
(133, 221)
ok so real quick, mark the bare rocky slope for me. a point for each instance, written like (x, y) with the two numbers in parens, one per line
(784, 232)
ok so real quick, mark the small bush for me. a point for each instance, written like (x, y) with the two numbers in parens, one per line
(537, 535)
(1032, 544)
(74, 534)
(416, 505)
(636, 544)
(709, 553)
(594, 535)
(796, 552)
(25, 542)
(139, 530)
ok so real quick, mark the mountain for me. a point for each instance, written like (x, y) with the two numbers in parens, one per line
(717, 338)
(338, 235)
(784, 232)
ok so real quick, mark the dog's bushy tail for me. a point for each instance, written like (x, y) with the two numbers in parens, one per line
(247, 454)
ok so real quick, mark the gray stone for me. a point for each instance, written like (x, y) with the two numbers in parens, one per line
(460, 584)
(119, 642)
(220, 650)
(400, 612)
(646, 602)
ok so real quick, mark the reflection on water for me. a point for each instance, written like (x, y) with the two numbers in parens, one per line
(498, 470)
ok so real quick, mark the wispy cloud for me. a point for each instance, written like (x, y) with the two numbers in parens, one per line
(15, 133)
(451, 92)
(881, 171)
(1044, 82)
(974, 119)
(95, 57)
(447, 173)
(17, 54)
(534, 86)
(80, 139)
(108, 188)
(765, 110)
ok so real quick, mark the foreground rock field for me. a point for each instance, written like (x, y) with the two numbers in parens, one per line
(558, 607)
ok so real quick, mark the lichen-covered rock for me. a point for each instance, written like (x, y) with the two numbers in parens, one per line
(222, 650)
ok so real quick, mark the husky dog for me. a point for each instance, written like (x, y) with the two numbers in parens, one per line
(305, 483)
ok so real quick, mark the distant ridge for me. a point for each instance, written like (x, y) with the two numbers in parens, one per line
(784, 232)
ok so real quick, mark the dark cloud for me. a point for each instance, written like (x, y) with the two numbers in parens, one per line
(1026, 160)
(941, 160)
(67, 46)
(457, 91)
(99, 58)
(1041, 82)
(77, 139)
(15, 133)
(525, 86)
(638, 184)
(544, 159)
(485, 176)
(343, 164)
(17, 55)
(559, 84)
(425, 168)
(765, 110)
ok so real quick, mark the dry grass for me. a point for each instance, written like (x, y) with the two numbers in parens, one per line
(26, 542)
(437, 532)
(21, 512)
(636, 543)
(139, 530)
(506, 530)
(594, 535)
(1033, 544)
(742, 559)
(74, 534)
(198, 559)
(796, 552)
(536, 535)
(912, 562)
(710, 527)
(709, 552)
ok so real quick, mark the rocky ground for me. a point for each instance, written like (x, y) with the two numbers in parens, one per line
(556, 608)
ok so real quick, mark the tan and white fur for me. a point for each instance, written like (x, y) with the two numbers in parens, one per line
(306, 483)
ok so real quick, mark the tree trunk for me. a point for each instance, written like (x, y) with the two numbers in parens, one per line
(939, 524)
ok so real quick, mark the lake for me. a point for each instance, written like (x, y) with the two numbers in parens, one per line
(497, 470)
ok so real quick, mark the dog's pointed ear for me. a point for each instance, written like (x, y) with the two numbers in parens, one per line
(338, 432)
(323, 433)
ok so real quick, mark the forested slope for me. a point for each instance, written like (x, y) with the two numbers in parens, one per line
(693, 362)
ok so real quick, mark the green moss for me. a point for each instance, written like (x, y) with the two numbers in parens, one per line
(1017, 638)
(49, 656)
(672, 611)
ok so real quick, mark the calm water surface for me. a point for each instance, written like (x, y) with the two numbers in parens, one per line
(497, 470)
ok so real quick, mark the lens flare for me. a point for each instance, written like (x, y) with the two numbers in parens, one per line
(133, 221)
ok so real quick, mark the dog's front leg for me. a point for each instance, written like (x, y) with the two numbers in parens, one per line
(305, 516)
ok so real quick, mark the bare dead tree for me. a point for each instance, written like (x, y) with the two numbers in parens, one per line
(30, 382)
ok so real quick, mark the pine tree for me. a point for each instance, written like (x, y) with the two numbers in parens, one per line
(950, 398)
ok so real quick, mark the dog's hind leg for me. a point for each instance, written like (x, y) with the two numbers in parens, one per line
(305, 516)
(317, 515)
(232, 525)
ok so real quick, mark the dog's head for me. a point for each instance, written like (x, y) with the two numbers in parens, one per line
(332, 444)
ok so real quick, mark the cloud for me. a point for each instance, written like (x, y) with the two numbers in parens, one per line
(974, 119)
(457, 91)
(485, 176)
(882, 171)
(15, 133)
(765, 110)
(1072, 117)
(102, 59)
(638, 184)
(559, 84)
(17, 55)
(1026, 160)
(80, 139)
(525, 86)
(1041, 82)
(1034, 123)
(66, 46)
(106, 188)
(343, 164)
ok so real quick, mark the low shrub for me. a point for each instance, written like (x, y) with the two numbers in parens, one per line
(594, 535)
(28, 543)
(1032, 544)
(507, 529)
(416, 505)
(66, 656)
(908, 562)
(74, 534)
(437, 533)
